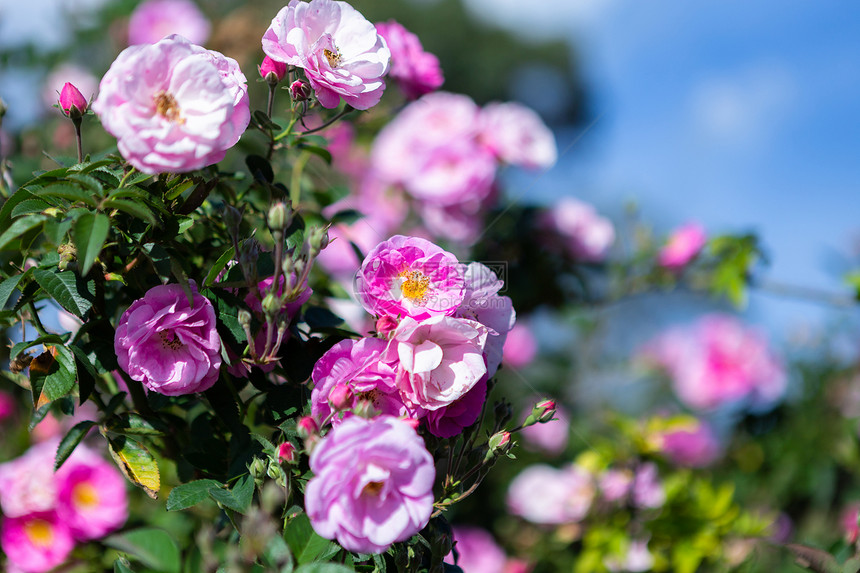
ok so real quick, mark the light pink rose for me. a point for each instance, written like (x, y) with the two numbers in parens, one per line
(416, 72)
(719, 361)
(587, 235)
(410, 276)
(154, 19)
(342, 55)
(372, 485)
(694, 445)
(169, 346)
(481, 302)
(439, 359)
(91, 495)
(173, 106)
(636, 558)
(520, 347)
(35, 542)
(546, 495)
(27, 482)
(461, 223)
(516, 134)
(615, 484)
(647, 489)
(477, 551)
(683, 246)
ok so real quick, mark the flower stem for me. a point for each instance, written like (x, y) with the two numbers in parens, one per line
(77, 123)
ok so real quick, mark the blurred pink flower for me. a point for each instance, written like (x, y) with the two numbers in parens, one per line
(481, 302)
(476, 550)
(647, 489)
(517, 135)
(416, 72)
(719, 361)
(439, 359)
(410, 276)
(91, 495)
(682, 246)
(168, 345)
(546, 495)
(520, 347)
(184, 113)
(694, 446)
(8, 406)
(35, 542)
(550, 437)
(637, 558)
(342, 55)
(849, 523)
(372, 485)
(461, 223)
(27, 482)
(615, 484)
(154, 19)
(587, 235)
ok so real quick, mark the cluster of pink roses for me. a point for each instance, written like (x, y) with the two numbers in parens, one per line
(719, 361)
(45, 513)
(441, 326)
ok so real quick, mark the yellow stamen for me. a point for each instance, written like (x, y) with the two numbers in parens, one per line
(169, 340)
(85, 496)
(414, 286)
(373, 488)
(39, 532)
(167, 107)
(332, 57)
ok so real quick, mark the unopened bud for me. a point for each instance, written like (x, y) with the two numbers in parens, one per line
(500, 444)
(232, 219)
(287, 453)
(279, 216)
(300, 91)
(365, 409)
(271, 305)
(274, 470)
(272, 71)
(244, 319)
(257, 468)
(306, 427)
(317, 240)
(72, 101)
(340, 397)
(385, 324)
(542, 413)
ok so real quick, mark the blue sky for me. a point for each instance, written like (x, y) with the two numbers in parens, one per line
(742, 115)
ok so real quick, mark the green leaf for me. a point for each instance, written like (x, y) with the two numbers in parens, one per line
(62, 382)
(17, 197)
(216, 269)
(155, 548)
(239, 498)
(86, 373)
(138, 465)
(8, 286)
(46, 339)
(71, 193)
(30, 206)
(90, 232)
(121, 565)
(70, 441)
(324, 568)
(19, 227)
(68, 289)
(307, 546)
(325, 154)
(87, 181)
(190, 494)
(132, 208)
(136, 425)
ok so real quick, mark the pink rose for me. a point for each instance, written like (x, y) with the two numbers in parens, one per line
(72, 101)
(27, 482)
(358, 365)
(451, 420)
(477, 551)
(372, 485)
(647, 489)
(588, 236)
(546, 495)
(636, 558)
(91, 495)
(416, 72)
(82, 78)
(683, 246)
(410, 276)
(520, 347)
(36, 542)
(168, 345)
(154, 19)
(341, 53)
(615, 484)
(517, 135)
(439, 359)
(693, 445)
(173, 106)
(481, 302)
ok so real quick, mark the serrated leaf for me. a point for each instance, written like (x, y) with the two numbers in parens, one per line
(121, 565)
(239, 498)
(136, 425)
(8, 286)
(46, 339)
(68, 192)
(70, 441)
(264, 121)
(190, 494)
(68, 289)
(91, 183)
(30, 206)
(216, 269)
(89, 233)
(155, 548)
(136, 463)
(61, 382)
(17, 197)
(86, 373)
(306, 545)
(19, 227)
(86, 167)
(133, 209)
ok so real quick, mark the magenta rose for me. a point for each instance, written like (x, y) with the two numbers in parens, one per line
(173, 106)
(451, 420)
(342, 55)
(410, 276)
(36, 542)
(683, 246)
(439, 359)
(372, 484)
(358, 365)
(168, 345)
(416, 72)
(154, 19)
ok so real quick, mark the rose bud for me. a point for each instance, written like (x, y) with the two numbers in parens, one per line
(73, 102)
(272, 71)
(340, 397)
(306, 427)
(300, 91)
(287, 452)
